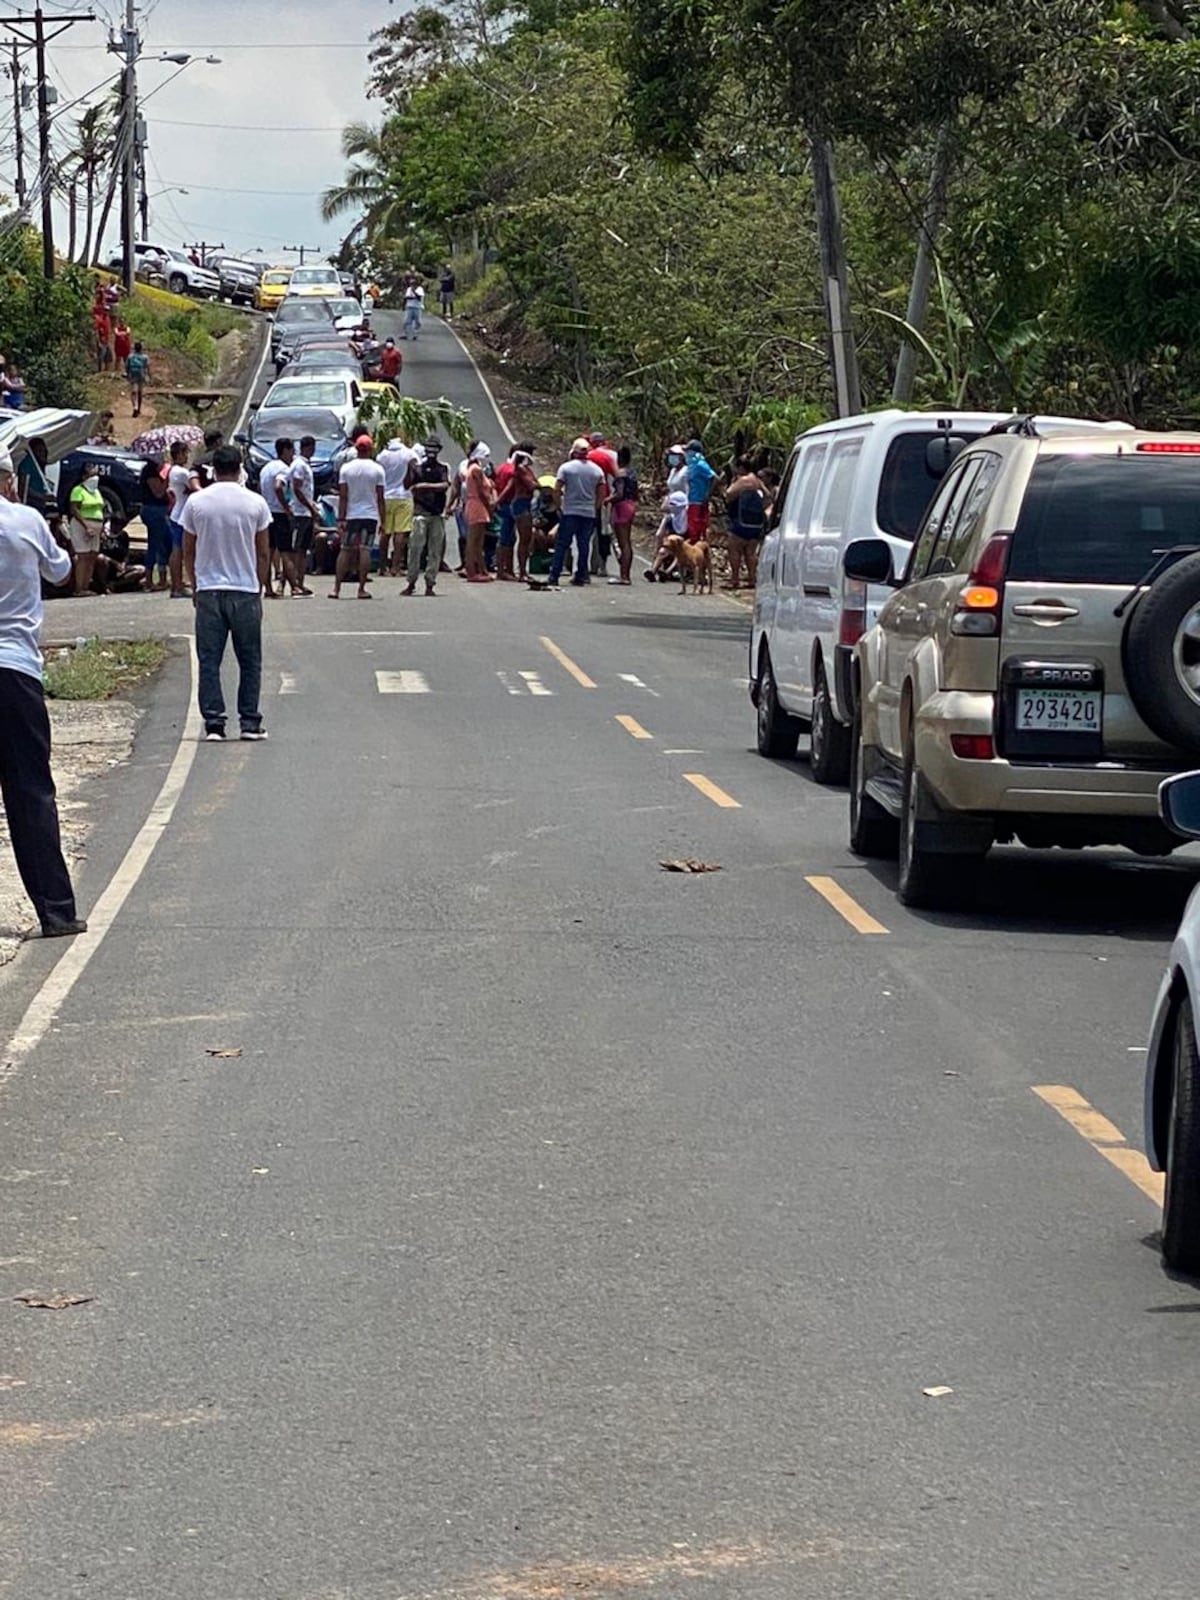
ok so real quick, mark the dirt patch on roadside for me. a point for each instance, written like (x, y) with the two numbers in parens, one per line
(89, 738)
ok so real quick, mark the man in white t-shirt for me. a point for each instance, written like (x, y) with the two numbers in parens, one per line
(274, 484)
(306, 514)
(227, 558)
(397, 506)
(414, 305)
(361, 512)
(28, 554)
(182, 481)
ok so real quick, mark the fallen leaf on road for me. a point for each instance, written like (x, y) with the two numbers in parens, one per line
(222, 1052)
(261, 1171)
(7, 1381)
(690, 865)
(937, 1391)
(54, 1302)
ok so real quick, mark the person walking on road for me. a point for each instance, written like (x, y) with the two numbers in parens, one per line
(479, 496)
(227, 558)
(273, 485)
(429, 483)
(361, 513)
(391, 363)
(29, 556)
(414, 305)
(446, 287)
(396, 461)
(306, 514)
(137, 371)
(579, 490)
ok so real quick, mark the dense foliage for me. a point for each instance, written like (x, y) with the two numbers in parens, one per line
(639, 175)
(45, 328)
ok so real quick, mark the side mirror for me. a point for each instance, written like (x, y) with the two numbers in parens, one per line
(241, 438)
(254, 405)
(1179, 804)
(940, 454)
(869, 561)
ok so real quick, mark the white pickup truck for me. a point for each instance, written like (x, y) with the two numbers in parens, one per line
(177, 272)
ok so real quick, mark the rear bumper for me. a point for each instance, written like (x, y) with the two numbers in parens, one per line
(1001, 787)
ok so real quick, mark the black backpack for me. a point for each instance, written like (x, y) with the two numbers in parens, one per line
(750, 513)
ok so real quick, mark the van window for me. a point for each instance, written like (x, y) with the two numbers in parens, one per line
(838, 486)
(1103, 519)
(905, 485)
(797, 511)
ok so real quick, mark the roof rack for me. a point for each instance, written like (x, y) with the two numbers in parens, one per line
(1025, 427)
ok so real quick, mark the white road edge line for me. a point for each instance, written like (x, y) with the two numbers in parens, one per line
(240, 425)
(72, 964)
(483, 383)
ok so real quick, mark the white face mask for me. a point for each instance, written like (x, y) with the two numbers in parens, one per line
(91, 482)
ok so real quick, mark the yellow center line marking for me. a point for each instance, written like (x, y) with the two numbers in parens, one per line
(633, 726)
(708, 788)
(565, 661)
(845, 905)
(1103, 1136)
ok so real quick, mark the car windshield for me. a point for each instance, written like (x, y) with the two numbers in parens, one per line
(303, 311)
(277, 277)
(314, 275)
(310, 392)
(177, 255)
(906, 485)
(345, 308)
(1104, 519)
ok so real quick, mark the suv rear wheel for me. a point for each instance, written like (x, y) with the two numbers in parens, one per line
(778, 733)
(830, 738)
(873, 831)
(1181, 1195)
(930, 878)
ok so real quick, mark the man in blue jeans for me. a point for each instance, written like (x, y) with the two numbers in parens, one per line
(227, 558)
(579, 494)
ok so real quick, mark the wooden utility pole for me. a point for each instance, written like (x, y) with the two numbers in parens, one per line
(918, 293)
(18, 128)
(301, 249)
(39, 41)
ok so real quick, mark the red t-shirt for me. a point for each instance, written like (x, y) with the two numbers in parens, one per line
(103, 326)
(122, 343)
(502, 480)
(390, 362)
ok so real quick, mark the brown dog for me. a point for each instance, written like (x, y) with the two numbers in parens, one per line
(694, 562)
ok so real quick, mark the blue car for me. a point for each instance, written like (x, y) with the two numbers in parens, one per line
(258, 442)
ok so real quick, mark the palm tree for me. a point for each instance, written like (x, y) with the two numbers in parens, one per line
(368, 186)
(93, 145)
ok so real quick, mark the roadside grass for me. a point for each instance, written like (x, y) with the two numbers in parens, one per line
(100, 668)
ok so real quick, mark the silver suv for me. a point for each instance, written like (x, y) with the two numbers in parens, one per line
(1037, 672)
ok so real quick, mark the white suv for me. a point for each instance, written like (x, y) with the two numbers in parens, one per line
(179, 274)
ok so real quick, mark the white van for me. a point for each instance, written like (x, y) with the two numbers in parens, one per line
(857, 478)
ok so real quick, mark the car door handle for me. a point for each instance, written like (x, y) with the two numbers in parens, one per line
(1046, 611)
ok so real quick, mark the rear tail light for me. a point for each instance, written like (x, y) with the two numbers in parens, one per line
(852, 622)
(1169, 447)
(973, 746)
(979, 604)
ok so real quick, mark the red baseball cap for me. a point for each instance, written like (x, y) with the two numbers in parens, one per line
(363, 443)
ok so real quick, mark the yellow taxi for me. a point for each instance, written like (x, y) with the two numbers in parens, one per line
(316, 281)
(272, 288)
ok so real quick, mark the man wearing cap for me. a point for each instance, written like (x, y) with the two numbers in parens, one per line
(429, 483)
(397, 506)
(579, 494)
(361, 511)
(699, 490)
(28, 554)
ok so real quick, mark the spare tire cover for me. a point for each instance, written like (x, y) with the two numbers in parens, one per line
(1161, 655)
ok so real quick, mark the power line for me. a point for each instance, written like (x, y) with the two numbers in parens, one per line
(246, 127)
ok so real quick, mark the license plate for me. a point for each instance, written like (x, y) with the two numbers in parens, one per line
(1059, 710)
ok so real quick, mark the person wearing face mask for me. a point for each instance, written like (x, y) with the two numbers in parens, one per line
(480, 496)
(86, 526)
(29, 555)
(674, 512)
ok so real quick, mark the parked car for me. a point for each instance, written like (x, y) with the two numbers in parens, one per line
(308, 362)
(180, 275)
(349, 316)
(238, 279)
(333, 443)
(273, 288)
(1036, 673)
(316, 281)
(340, 393)
(1172, 1111)
(861, 476)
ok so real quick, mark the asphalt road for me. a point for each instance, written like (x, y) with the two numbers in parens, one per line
(566, 1226)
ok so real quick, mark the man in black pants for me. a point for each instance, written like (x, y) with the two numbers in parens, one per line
(28, 554)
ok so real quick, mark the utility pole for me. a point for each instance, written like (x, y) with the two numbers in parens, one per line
(301, 249)
(18, 130)
(129, 122)
(39, 42)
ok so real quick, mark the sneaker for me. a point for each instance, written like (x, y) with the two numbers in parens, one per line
(63, 930)
(255, 734)
(213, 735)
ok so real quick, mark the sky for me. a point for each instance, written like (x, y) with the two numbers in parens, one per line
(285, 64)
